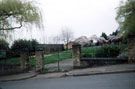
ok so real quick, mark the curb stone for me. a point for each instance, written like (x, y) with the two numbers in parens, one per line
(79, 73)
(66, 75)
(100, 73)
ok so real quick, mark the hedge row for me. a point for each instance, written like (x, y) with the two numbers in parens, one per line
(103, 51)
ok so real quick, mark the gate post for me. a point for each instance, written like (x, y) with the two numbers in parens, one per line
(76, 52)
(131, 48)
(24, 60)
(39, 59)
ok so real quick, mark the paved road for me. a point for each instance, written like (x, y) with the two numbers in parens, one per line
(107, 81)
(64, 65)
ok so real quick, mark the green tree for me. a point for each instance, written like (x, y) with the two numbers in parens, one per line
(34, 43)
(104, 35)
(115, 33)
(15, 14)
(20, 45)
(4, 45)
(126, 17)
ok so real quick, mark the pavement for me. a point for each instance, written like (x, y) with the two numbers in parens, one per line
(121, 68)
(17, 77)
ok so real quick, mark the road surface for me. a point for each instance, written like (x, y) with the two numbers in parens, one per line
(106, 81)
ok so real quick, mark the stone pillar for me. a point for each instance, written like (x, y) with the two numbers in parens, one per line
(76, 52)
(131, 48)
(24, 61)
(39, 59)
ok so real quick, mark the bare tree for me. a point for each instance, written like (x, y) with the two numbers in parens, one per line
(56, 39)
(66, 35)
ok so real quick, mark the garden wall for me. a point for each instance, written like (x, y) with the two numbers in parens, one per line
(109, 58)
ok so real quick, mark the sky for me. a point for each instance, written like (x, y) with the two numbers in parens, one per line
(83, 17)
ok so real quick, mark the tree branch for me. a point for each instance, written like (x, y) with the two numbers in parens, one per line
(6, 15)
(12, 28)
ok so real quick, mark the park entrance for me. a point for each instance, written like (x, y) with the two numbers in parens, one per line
(57, 58)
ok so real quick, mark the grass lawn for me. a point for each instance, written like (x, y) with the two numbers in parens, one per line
(58, 56)
(106, 51)
(54, 57)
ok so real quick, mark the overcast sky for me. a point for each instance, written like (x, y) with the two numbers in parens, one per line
(83, 17)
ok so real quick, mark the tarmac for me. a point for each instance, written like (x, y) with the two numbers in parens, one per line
(120, 68)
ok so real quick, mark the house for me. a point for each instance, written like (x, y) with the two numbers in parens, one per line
(69, 45)
(83, 40)
(114, 40)
(51, 48)
(102, 41)
(98, 41)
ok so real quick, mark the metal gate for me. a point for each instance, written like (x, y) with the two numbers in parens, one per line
(55, 58)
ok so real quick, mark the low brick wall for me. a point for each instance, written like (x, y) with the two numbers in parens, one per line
(79, 62)
(102, 61)
(8, 69)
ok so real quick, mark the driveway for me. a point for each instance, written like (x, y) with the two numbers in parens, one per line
(64, 65)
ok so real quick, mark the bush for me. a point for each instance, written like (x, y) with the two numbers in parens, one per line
(4, 45)
(21, 44)
(108, 51)
(105, 51)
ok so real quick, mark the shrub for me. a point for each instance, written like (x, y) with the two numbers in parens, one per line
(3, 45)
(21, 44)
(108, 51)
(105, 51)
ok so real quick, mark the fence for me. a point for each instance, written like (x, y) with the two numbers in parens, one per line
(8, 68)
(10, 65)
(84, 57)
(56, 58)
